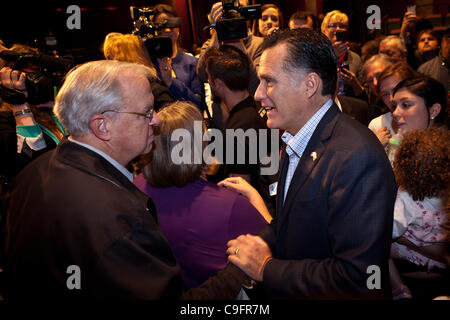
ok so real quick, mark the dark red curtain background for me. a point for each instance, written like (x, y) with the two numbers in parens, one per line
(34, 20)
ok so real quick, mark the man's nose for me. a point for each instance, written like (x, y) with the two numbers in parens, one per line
(259, 93)
(155, 120)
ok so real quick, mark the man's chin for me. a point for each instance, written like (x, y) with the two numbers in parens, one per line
(271, 124)
(149, 148)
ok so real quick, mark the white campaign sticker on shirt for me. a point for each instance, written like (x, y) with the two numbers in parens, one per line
(273, 189)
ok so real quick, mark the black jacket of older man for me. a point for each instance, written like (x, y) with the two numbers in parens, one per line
(78, 228)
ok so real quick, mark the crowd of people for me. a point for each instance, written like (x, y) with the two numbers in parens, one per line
(89, 178)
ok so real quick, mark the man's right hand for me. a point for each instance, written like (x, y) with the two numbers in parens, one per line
(409, 21)
(240, 185)
(12, 79)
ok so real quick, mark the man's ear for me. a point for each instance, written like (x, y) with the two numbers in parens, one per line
(219, 84)
(100, 126)
(312, 84)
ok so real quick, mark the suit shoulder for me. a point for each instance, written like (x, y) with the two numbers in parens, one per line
(354, 101)
(354, 133)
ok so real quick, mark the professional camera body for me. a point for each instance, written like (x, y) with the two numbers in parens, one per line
(233, 23)
(44, 75)
(157, 47)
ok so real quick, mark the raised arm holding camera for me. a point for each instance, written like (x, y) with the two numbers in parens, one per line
(159, 28)
(28, 127)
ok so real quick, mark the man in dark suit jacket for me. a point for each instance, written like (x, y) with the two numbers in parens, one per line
(77, 226)
(332, 232)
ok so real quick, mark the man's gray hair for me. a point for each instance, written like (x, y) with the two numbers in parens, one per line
(398, 41)
(381, 57)
(91, 89)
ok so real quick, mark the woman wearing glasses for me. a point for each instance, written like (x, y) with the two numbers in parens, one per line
(335, 27)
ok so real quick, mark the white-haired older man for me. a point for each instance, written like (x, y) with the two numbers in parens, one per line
(76, 224)
(394, 47)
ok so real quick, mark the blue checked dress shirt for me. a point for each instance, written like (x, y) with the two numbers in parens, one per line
(296, 145)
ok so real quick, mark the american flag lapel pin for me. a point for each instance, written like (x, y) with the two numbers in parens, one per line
(314, 155)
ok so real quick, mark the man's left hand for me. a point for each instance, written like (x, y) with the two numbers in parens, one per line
(250, 254)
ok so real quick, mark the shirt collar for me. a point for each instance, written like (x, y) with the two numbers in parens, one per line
(241, 105)
(297, 144)
(117, 165)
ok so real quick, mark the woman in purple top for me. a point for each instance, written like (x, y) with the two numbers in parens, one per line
(197, 217)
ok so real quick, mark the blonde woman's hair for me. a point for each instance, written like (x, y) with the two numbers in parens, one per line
(126, 47)
(334, 15)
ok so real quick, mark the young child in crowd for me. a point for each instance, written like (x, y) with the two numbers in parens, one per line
(422, 170)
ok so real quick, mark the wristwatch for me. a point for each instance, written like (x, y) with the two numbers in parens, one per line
(22, 112)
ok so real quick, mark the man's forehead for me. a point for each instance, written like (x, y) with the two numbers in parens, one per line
(274, 54)
(375, 67)
(270, 60)
(391, 44)
(137, 78)
(426, 35)
(272, 65)
(134, 84)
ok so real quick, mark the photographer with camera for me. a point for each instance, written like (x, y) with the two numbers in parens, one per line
(130, 48)
(225, 15)
(179, 71)
(249, 44)
(159, 29)
(28, 128)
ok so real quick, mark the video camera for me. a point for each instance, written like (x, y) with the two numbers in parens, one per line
(232, 25)
(41, 85)
(157, 47)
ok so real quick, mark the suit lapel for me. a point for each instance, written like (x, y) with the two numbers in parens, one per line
(284, 161)
(310, 158)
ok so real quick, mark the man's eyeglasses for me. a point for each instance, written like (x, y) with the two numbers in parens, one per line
(148, 114)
